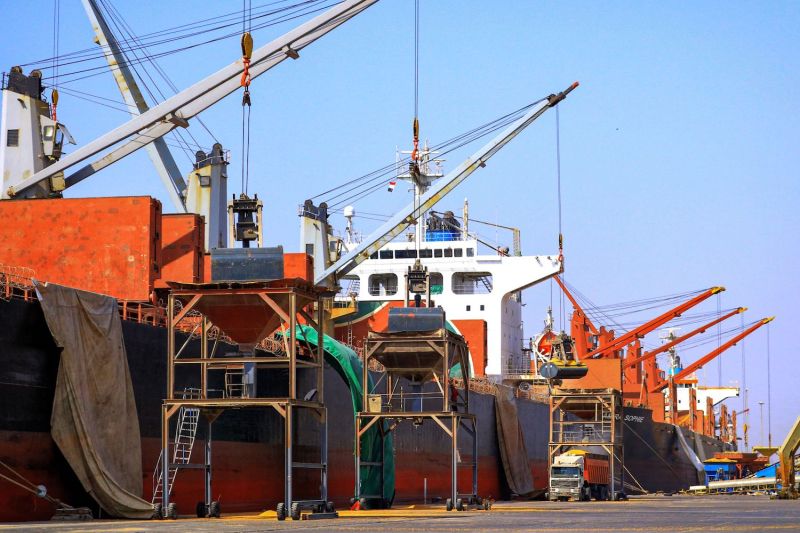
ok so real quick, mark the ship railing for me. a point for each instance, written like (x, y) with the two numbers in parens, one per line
(16, 282)
(586, 435)
(404, 401)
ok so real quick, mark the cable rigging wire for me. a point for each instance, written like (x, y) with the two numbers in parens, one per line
(161, 71)
(562, 303)
(56, 43)
(121, 30)
(234, 16)
(247, 50)
(365, 185)
(289, 16)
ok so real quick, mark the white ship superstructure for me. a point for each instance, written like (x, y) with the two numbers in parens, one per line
(467, 284)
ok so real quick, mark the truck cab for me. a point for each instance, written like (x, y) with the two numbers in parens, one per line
(579, 475)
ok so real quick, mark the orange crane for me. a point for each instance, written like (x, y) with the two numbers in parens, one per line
(664, 383)
(633, 361)
(648, 327)
(581, 326)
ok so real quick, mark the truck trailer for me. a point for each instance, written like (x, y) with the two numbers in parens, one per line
(579, 475)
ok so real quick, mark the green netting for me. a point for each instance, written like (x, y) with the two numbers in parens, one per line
(349, 367)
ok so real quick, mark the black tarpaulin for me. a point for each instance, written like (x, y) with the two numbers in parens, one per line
(94, 420)
(511, 442)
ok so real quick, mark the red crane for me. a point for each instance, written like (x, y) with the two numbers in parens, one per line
(663, 384)
(663, 348)
(647, 327)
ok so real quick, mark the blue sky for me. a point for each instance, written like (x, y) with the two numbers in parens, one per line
(678, 152)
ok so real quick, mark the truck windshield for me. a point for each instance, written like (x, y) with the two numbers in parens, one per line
(566, 471)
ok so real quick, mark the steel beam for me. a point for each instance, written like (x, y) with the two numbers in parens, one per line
(407, 216)
(117, 61)
(178, 109)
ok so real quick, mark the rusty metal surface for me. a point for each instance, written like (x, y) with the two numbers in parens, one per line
(182, 245)
(106, 245)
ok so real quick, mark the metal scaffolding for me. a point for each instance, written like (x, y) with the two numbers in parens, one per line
(246, 313)
(406, 361)
(585, 419)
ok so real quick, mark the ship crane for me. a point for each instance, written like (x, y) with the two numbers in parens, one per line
(178, 110)
(632, 362)
(664, 383)
(412, 212)
(652, 325)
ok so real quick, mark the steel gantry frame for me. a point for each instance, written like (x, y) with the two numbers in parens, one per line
(281, 303)
(589, 417)
(429, 357)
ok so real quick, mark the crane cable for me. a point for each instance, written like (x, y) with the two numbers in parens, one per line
(415, 152)
(56, 35)
(247, 52)
(562, 303)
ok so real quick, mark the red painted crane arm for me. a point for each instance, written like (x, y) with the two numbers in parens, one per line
(663, 348)
(711, 355)
(653, 324)
(575, 304)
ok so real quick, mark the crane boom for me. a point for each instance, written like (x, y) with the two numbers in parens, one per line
(664, 347)
(177, 110)
(576, 305)
(663, 384)
(157, 150)
(405, 217)
(657, 322)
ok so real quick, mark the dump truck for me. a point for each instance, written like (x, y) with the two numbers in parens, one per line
(579, 475)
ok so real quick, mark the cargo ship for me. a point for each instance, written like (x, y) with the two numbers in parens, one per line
(128, 249)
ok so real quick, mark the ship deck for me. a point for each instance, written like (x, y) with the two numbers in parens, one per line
(645, 513)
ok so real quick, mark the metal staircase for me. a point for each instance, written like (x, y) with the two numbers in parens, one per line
(185, 433)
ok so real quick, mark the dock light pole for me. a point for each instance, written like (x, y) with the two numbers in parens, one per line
(761, 424)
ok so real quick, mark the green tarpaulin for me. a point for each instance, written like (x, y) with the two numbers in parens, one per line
(349, 367)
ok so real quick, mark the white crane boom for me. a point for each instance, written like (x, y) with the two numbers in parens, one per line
(157, 150)
(177, 110)
(405, 217)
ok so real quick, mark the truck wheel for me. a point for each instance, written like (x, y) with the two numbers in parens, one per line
(586, 494)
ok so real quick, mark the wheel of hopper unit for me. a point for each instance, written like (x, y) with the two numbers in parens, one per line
(157, 512)
(200, 509)
(330, 508)
(460, 506)
(448, 504)
(172, 511)
(280, 510)
(214, 510)
(295, 511)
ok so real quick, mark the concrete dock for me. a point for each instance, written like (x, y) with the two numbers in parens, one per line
(647, 513)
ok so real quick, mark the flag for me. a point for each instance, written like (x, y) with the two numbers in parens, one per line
(392, 185)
